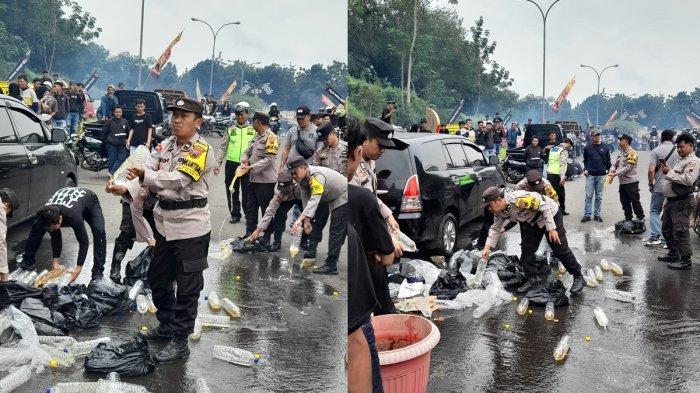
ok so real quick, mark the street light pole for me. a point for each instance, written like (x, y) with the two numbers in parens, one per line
(213, 47)
(599, 74)
(544, 49)
(138, 86)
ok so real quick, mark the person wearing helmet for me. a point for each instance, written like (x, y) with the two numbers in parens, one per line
(8, 203)
(273, 112)
(234, 144)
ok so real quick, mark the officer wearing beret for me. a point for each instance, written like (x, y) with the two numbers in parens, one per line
(319, 185)
(287, 195)
(259, 160)
(178, 174)
(8, 203)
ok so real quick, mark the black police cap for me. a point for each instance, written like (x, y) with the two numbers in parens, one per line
(295, 163)
(384, 133)
(187, 104)
(262, 117)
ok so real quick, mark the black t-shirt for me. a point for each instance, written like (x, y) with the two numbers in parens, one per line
(386, 117)
(140, 125)
(76, 206)
(361, 298)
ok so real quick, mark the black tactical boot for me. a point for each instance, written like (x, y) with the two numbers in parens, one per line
(578, 284)
(531, 283)
(327, 270)
(683, 264)
(276, 246)
(176, 349)
(671, 257)
(159, 333)
(115, 270)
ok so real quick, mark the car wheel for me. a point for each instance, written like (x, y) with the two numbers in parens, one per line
(448, 234)
(69, 182)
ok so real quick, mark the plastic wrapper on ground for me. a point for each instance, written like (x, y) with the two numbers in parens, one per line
(421, 270)
(425, 304)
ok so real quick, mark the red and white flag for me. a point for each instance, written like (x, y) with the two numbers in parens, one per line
(327, 101)
(564, 93)
(163, 59)
(610, 120)
(228, 92)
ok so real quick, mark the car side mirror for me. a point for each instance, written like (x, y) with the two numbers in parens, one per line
(58, 135)
(493, 159)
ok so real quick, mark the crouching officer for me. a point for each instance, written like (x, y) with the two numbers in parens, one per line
(177, 173)
(259, 159)
(287, 195)
(541, 214)
(8, 203)
(322, 185)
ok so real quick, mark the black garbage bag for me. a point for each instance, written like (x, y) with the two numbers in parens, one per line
(552, 291)
(240, 245)
(137, 268)
(110, 298)
(630, 227)
(13, 292)
(46, 321)
(129, 359)
(78, 309)
(449, 286)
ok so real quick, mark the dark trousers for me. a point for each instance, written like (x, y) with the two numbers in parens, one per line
(629, 198)
(561, 192)
(182, 262)
(258, 196)
(336, 234)
(234, 204)
(674, 226)
(531, 236)
(317, 224)
(116, 155)
(280, 219)
(127, 232)
(368, 331)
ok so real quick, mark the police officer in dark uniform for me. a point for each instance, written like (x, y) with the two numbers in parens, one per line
(178, 173)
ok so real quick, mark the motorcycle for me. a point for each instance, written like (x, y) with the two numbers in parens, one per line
(214, 125)
(88, 152)
(274, 124)
(514, 170)
(653, 142)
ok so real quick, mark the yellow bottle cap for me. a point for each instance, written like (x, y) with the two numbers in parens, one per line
(587, 338)
(238, 278)
(515, 298)
(506, 325)
(53, 363)
(529, 311)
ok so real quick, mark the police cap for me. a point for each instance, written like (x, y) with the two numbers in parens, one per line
(14, 201)
(324, 130)
(187, 104)
(295, 163)
(261, 117)
(625, 136)
(491, 194)
(384, 133)
(534, 179)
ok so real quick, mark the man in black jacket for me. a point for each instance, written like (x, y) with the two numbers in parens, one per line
(596, 163)
(115, 133)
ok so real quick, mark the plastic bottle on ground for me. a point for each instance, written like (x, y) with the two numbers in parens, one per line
(16, 378)
(20, 276)
(549, 311)
(15, 273)
(51, 276)
(589, 277)
(622, 296)
(64, 359)
(36, 280)
(75, 387)
(151, 306)
(30, 278)
(197, 333)
(84, 347)
(561, 267)
(201, 386)
(296, 243)
(604, 265)
(562, 348)
(65, 278)
(236, 355)
(57, 341)
(214, 302)
(616, 268)
(135, 290)
(222, 321)
(141, 303)
(522, 306)
(233, 310)
(598, 273)
(600, 317)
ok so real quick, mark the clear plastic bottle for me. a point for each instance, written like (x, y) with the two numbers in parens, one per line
(214, 302)
(236, 355)
(39, 275)
(479, 275)
(604, 265)
(522, 306)
(562, 269)
(209, 320)
(65, 279)
(53, 275)
(75, 387)
(201, 386)
(589, 277)
(296, 243)
(598, 273)
(562, 348)
(15, 273)
(197, 333)
(57, 341)
(141, 303)
(151, 306)
(64, 359)
(600, 317)
(549, 311)
(16, 378)
(20, 276)
(616, 268)
(82, 348)
(135, 290)
(233, 310)
(622, 296)
(30, 278)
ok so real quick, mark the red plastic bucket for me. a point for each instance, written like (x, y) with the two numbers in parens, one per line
(404, 343)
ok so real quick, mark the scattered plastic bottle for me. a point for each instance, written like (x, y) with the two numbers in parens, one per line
(233, 310)
(74, 387)
(141, 303)
(589, 277)
(600, 317)
(209, 320)
(64, 358)
(562, 269)
(214, 302)
(36, 283)
(197, 333)
(15, 379)
(135, 290)
(522, 306)
(549, 311)
(598, 273)
(201, 386)
(481, 310)
(622, 296)
(562, 348)
(57, 341)
(15, 273)
(151, 306)
(20, 276)
(616, 268)
(236, 355)
(82, 348)
(296, 243)
(65, 279)
(604, 265)
(51, 276)
(30, 278)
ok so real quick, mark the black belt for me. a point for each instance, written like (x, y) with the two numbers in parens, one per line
(179, 205)
(678, 198)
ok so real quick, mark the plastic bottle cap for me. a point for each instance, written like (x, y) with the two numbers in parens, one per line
(587, 338)
(144, 328)
(336, 293)
(238, 278)
(515, 298)
(53, 363)
(529, 311)
(506, 325)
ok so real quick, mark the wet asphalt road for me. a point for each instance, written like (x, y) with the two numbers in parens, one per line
(295, 319)
(650, 346)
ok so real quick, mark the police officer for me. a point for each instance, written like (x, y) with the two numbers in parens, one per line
(678, 190)
(541, 214)
(319, 185)
(333, 153)
(557, 163)
(259, 160)
(178, 173)
(8, 203)
(625, 168)
(237, 140)
(287, 195)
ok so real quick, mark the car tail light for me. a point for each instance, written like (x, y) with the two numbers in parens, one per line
(411, 202)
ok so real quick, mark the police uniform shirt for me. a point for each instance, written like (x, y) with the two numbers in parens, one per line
(307, 134)
(365, 177)
(524, 206)
(284, 194)
(625, 166)
(261, 154)
(547, 191)
(685, 173)
(324, 185)
(175, 173)
(335, 158)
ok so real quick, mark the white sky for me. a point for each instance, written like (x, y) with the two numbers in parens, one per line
(655, 43)
(300, 32)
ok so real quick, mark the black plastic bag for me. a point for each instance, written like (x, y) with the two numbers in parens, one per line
(47, 322)
(129, 359)
(78, 309)
(552, 291)
(240, 245)
(630, 227)
(137, 268)
(109, 297)
(12, 292)
(449, 286)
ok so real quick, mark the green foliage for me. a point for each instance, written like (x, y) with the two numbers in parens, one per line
(368, 99)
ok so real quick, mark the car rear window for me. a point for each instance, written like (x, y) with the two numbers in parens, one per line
(7, 133)
(394, 164)
(432, 156)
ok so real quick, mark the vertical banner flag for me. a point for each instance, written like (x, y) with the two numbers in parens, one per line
(19, 65)
(610, 120)
(327, 101)
(163, 59)
(693, 122)
(198, 91)
(91, 80)
(334, 94)
(456, 111)
(227, 93)
(588, 119)
(564, 93)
